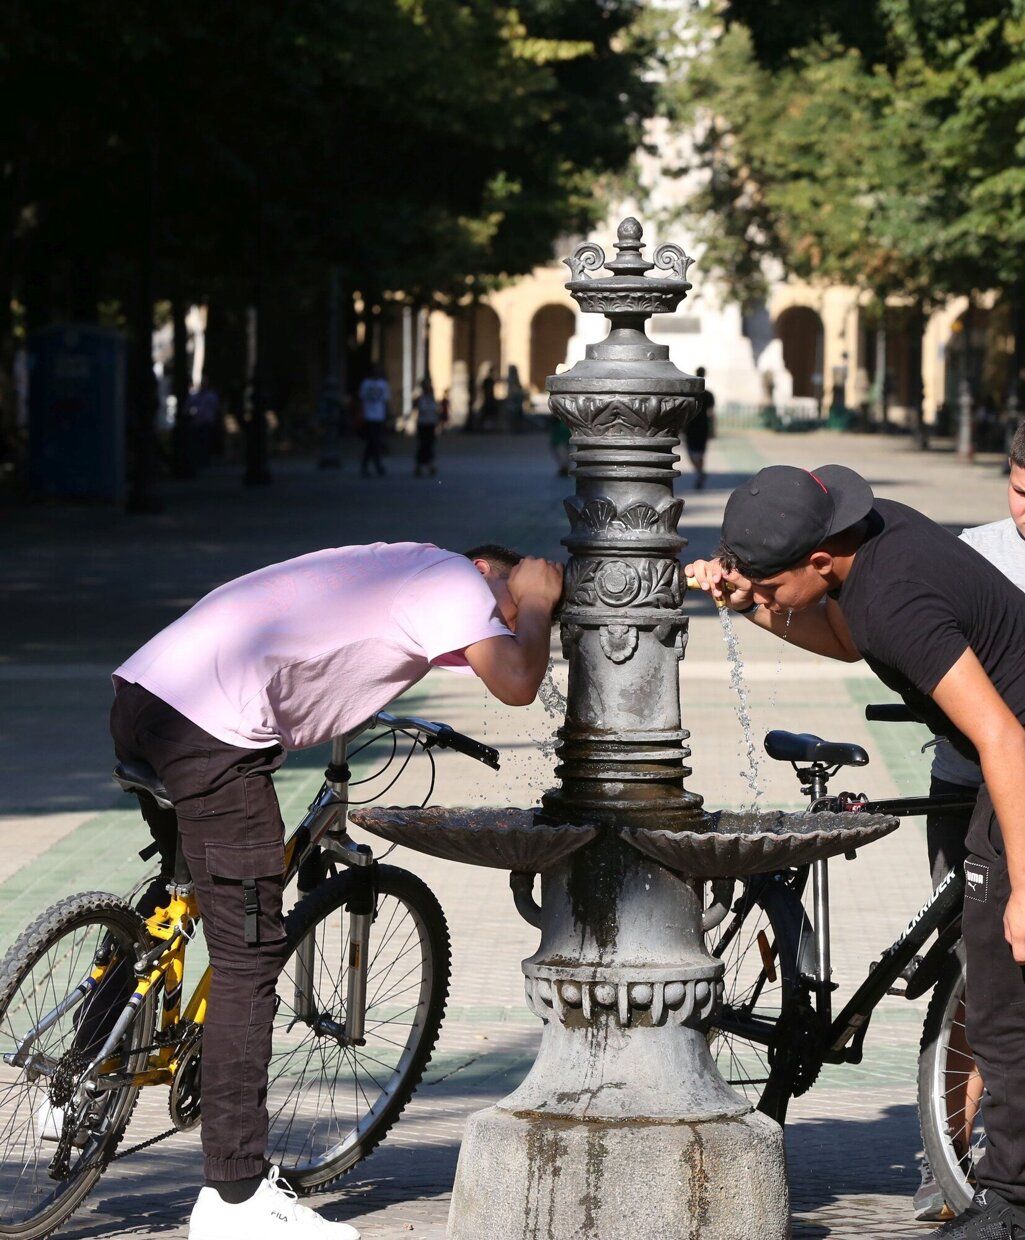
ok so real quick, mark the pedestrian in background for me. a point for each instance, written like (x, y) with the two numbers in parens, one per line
(374, 399)
(204, 409)
(426, 429)
(698, 432)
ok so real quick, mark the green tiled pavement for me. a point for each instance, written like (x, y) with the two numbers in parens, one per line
(853, 1140)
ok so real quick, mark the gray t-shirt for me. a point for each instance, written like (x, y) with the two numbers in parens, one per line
(1001, 544)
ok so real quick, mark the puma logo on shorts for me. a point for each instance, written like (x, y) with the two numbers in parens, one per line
(976, 877)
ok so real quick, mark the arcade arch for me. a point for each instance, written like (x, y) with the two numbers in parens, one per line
(551, 328)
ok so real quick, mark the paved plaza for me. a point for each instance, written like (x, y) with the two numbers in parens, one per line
(83, 587)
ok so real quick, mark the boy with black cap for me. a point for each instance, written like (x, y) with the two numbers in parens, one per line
(870, 578)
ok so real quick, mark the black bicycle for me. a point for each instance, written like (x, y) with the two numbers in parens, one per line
(776, 1027)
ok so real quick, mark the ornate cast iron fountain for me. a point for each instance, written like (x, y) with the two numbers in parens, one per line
(623, 1127)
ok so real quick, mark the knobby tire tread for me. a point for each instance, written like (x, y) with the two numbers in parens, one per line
(317, 905)
(933, 1141)
(28, 947)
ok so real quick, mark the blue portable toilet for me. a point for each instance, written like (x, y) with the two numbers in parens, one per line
(76, 424)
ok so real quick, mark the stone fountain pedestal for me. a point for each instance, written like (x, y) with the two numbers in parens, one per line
(623, 1128)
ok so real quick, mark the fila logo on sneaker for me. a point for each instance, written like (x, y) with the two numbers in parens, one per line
(284, 1217)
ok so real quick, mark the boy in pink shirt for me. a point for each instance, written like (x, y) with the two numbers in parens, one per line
(285, 658)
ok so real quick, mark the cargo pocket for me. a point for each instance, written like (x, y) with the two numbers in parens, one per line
(257, 871)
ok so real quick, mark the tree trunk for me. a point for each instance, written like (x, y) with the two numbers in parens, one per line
(916, 394)
(142, 385)
(881, 368)
(181, 438)
(257, 472)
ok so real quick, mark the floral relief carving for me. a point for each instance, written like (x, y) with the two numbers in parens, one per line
(618, 641)
(605, 300)
(601, 516)
(643, 415)
(622, 583)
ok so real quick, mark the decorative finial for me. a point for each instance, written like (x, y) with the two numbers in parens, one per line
(674, 259)
(585, 259)
(630, 290)
(629, 244)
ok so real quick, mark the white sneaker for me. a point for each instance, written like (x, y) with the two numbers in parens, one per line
(49, 1121)
(272, 1212)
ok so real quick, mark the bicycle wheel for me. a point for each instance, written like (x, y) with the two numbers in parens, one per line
(949, 1090)
(330, 1104)
(765, 1022)
(52, 1149)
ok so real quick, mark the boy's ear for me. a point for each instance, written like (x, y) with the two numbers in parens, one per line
(482, 567)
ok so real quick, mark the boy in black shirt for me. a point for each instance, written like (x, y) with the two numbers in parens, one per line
(874, 579)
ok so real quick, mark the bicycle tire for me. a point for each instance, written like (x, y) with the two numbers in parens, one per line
(96, 913)
(397, 890)
(785, 1062)
(942, 1069)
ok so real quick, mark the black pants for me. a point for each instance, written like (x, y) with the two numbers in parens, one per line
(995, 1006)
(946, 833)
(425, 445)
(233, 838)
(373, 445)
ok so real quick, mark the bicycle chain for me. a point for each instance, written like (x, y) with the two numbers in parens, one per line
(143, 1145)
(61, 1092)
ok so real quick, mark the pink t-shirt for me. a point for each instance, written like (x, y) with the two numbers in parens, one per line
(302, 651)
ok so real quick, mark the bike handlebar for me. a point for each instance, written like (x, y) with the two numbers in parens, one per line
(443, 736)
(891, 712)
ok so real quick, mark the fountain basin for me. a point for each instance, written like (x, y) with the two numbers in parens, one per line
(731, 844)
(505, 839)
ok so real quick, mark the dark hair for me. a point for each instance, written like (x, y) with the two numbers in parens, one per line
(500, 558)
(1017, 452)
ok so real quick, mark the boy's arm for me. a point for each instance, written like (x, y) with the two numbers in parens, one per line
(513, 667)
(969, 699)
(821, 630)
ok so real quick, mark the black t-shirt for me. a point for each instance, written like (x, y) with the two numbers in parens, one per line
(917, 598)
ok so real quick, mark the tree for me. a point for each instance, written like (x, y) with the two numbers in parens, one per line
(242, 152)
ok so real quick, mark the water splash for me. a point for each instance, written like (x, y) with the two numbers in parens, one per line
(552, 697)
(751, 776)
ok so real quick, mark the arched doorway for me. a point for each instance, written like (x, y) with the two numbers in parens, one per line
(478, 340)
(550, 332)
(800, 333)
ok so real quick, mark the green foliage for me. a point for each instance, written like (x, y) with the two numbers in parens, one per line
(881, 149)
(417, 142)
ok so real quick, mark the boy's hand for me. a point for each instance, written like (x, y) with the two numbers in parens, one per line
(731, 588)
(538, 580)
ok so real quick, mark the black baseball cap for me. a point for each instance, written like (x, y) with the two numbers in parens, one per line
(783, 513)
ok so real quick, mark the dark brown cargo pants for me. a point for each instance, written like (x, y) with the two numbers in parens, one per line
(233, 838)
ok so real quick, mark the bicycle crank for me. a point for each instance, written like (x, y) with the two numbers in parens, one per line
(184, 1099)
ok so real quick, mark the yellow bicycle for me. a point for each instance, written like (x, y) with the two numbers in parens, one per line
(92, 1007)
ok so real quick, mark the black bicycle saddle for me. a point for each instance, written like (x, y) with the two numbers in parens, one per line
(138, 776)
(803, 747)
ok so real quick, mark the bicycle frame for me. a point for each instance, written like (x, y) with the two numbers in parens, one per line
(842, 1039)
(172, 926)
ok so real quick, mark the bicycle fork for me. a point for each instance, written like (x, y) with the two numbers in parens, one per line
(361, 911)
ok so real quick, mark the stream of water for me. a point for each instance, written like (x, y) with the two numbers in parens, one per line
(752, 775)
(553, 700)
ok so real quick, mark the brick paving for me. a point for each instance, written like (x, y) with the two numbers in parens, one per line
(84, 587)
